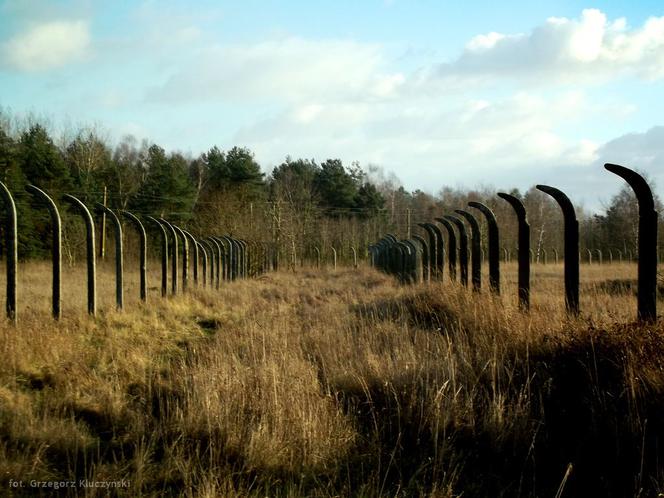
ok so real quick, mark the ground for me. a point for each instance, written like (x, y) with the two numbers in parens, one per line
(333, 383)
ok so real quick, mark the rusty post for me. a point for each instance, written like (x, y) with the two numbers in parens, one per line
(56, 250)
(524, 249)
(647, 242)
(164, 255)
(475, 249)
(463, 248)
(90, 250)
(494, 245)
(119, 271)
(11, 238)
(571, 254)
(143, 250)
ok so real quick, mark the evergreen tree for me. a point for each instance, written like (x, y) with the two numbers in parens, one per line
(368, 200)
(335, 186)
(42, 163)
(167, 189)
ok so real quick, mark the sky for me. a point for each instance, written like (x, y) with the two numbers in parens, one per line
(440, 93)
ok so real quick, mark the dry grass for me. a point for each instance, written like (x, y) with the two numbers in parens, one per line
(335, 384)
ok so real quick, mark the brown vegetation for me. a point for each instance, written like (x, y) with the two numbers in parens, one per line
(336, 384)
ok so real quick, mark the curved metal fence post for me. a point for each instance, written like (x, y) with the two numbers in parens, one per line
(194, 250)
(226, 257)
(463, 248)
(222, 262)
(213, 261)
(440, 250)
(354, 256)
(185, 256)
(545, 256)
(90, 250)
(555, 255)
(119, 294)
(174, 255)
(164, 255)
(524, 248)
(451, 246)
(143, 253)
(218, 256)
(334, 258)
(235, 258)
(244, 251)
(494, 245)
(317, 256)
(590, 256)
(647, 259)
(610, 256)
(203, 248)
(56, 250)
(433, 250)
(475, 249)
(232, 257)
(571, 254)
(599, 256)
(414, 262)
(11, 238)
(425, 258)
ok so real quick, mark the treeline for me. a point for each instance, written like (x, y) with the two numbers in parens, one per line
(300, 204)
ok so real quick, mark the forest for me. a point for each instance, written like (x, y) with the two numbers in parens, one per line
(299, 204)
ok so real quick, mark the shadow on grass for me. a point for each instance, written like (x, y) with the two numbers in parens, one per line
(590, 409)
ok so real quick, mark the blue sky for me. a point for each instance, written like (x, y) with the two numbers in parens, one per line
(438, 93)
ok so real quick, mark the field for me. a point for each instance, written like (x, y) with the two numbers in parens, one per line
(334, 383)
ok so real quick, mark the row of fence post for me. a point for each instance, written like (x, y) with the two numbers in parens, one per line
(592, 256)
(417, 259)
(221, 257)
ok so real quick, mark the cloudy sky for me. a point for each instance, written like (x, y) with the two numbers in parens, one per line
(439, 92)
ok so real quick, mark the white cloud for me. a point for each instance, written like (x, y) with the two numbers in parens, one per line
(287, 69)
(588, 48)
(48, 45)
(431, 142)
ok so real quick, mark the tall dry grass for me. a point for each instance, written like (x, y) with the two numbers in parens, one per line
(335, 384)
